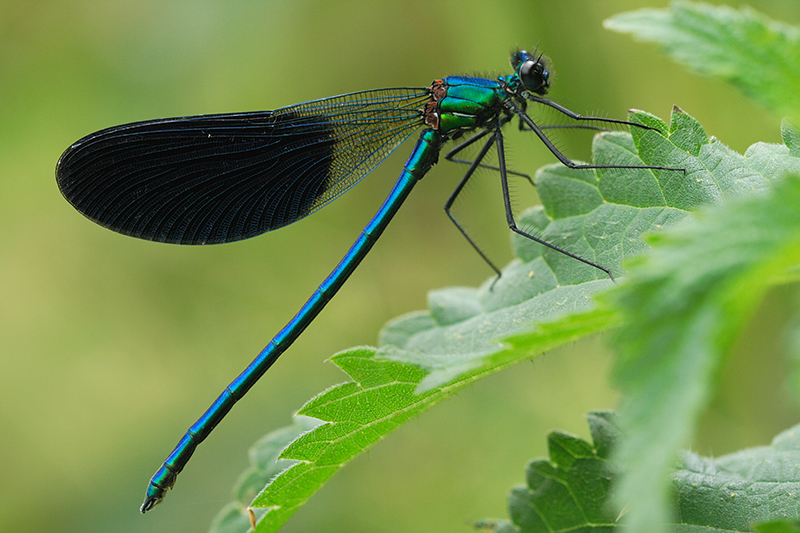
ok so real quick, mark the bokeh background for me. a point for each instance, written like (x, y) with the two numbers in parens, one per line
(110, 347)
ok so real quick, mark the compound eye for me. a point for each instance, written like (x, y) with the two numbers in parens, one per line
(534, 77)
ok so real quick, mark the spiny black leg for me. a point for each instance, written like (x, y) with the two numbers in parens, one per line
(512, 224)
(469, 142)
(575, 116)
(473, 165)
(559, 155)
(449, 156)
(566, 127)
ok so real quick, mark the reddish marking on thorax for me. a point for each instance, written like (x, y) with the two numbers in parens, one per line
(438, 90)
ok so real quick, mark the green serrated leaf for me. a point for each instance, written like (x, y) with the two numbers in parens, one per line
(569, 491)
(756, 54)
(356, 415)
(566, 492)
(265, 463)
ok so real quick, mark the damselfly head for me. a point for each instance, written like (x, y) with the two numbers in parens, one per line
(532, 71)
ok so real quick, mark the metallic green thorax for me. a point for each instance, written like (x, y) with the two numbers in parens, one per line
(461, 103)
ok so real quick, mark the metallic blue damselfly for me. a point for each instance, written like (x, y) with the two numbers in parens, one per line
(220, 178)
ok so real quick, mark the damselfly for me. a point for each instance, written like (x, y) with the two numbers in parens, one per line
(219, 178)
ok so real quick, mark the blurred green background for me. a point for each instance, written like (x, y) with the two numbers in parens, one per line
(110, 347)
